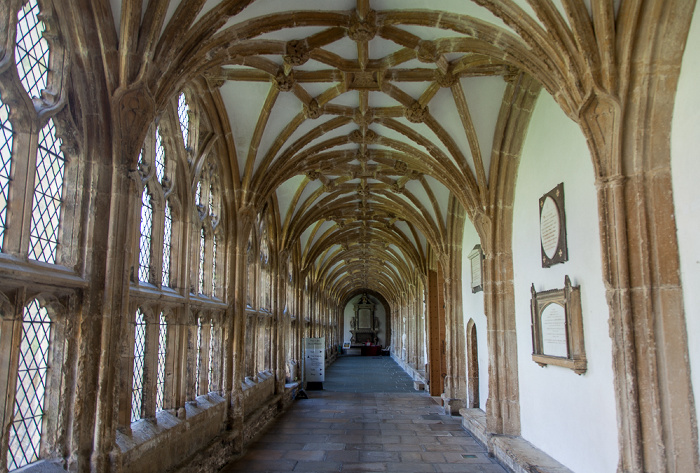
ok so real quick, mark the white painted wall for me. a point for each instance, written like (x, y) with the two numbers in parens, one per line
(473, 308)
(685, 169)
(379, 312)
(570, 417)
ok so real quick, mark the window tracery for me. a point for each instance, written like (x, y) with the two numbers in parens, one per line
(31, 50)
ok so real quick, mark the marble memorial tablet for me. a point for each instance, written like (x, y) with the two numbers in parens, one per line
(553, 227)
(553, 320)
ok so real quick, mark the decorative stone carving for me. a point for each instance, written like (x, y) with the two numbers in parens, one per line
(447, 79)
(284, 82)
(312, 110)
(297, 53)
(416, 113)
(427, 52)
(363, 29)
(363, 80)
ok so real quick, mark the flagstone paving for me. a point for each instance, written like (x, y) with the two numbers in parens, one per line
(341, 429)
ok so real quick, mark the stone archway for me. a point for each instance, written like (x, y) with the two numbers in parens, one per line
(472, 367)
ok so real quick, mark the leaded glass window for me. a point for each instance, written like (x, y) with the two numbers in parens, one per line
(213, 267)
(198, 194)
(211, 354)
(160, 157)
(183, 113)
(139, 359)
(6, 139)
(167, 240)
(162, 347)
(199, 356)
(211, 200)
(145, 240)
(48, 196)
(31, 50)
(26, 428)
(201, 261)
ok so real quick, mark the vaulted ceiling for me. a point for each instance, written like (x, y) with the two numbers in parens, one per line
(359, 120)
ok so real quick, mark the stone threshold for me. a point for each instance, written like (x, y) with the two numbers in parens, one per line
(514, 452)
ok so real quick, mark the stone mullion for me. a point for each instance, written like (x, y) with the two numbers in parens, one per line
(19, 204)
(190, 358)
(11, 336)
(204, 357)
(282, 326)
(238, 345)
(150, 368)
(179, 329)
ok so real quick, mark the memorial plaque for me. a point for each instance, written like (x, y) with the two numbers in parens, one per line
(553, 320)
(557, 328)
(553, 227)
(476, 258)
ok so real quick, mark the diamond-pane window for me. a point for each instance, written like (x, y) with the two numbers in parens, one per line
(48, 196)
(26, 427)
(145, 240)
(31, 50)
(211, 200)
(162, 346)
(160, 157)
(213, 267)
(167, 242)
(199, 356)
(211, 354)
(6, 139)
(198, 194)
(201, 261)
(183, 113)
(139, 358)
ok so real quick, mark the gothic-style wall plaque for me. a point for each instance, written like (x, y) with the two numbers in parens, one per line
(553, 227)
(557, 328)
(476, 258)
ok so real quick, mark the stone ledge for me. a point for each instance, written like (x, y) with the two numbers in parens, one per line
(516, 453)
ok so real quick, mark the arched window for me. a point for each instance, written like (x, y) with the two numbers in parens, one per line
(162, 351)
(167, 243)
(198, 369)
(26, 428)
(183, 113)
(6, 140)
(213, 267)
(145, 240)
(210, 373)
(139, 361)
(31, 50)
(202, 240)
(48, 196)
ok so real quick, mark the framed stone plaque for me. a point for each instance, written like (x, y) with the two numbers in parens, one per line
(557, 328)
(476, 259)
(553, 227)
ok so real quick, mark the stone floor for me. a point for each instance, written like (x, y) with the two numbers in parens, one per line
(380, 425)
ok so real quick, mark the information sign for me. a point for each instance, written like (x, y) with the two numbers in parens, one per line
(314, 359)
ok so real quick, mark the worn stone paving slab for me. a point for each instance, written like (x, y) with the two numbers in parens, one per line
(343, 430)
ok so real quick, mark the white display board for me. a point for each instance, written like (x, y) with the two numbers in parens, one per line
(314, 359)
